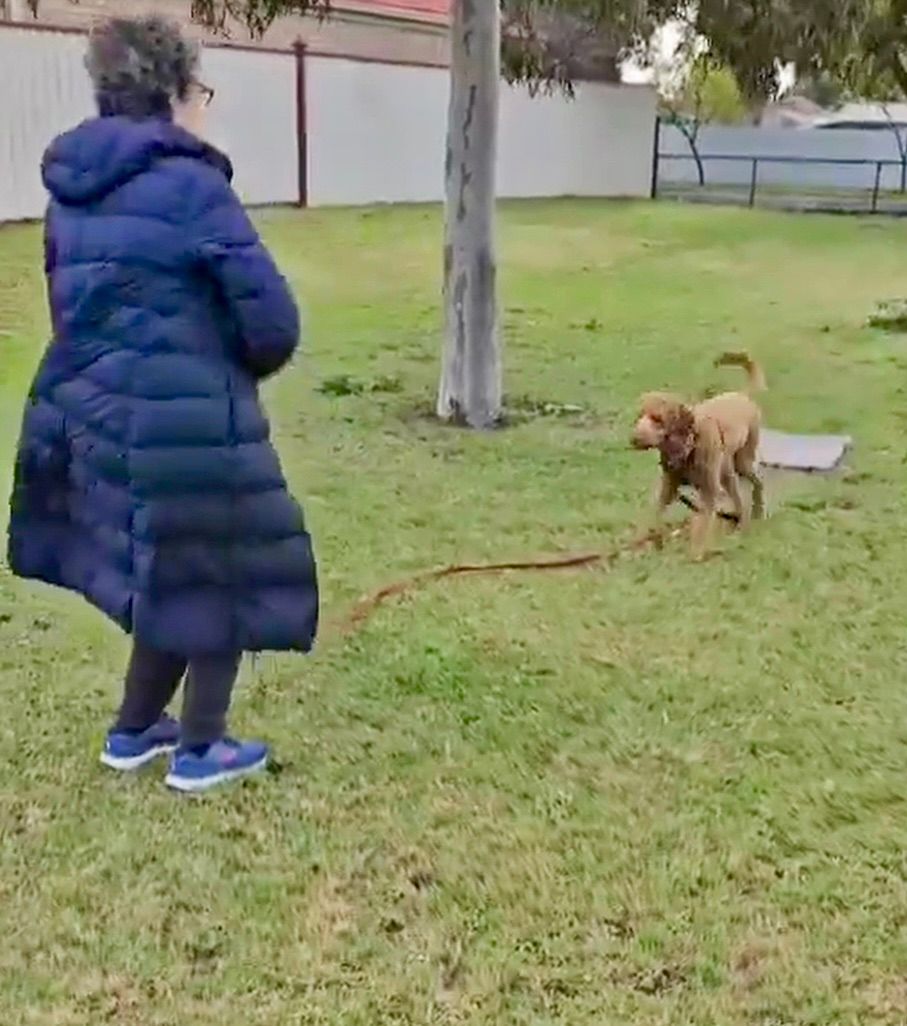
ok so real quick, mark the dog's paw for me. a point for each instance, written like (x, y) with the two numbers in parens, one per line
(654, 536)
(706, 557)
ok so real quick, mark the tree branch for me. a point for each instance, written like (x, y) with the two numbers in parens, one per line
(256, 15)
(899, 71)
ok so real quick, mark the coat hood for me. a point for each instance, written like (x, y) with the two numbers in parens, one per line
(85, 164)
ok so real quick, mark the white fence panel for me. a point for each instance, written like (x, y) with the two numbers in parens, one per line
(598, 144)
(375, 132)
(376, 135)
(253, 119)
(44, 90)
(827, 144)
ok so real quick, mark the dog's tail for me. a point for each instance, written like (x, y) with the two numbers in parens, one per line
(755, 377)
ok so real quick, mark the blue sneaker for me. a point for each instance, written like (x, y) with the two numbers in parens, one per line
(131, 751)
(224, 760)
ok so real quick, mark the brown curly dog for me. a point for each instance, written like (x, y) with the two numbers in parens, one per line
(708, 446)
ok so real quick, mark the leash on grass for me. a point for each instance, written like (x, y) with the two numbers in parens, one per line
(722, 514)
(368, 605)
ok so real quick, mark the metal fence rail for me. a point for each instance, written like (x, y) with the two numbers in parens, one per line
(747, 180)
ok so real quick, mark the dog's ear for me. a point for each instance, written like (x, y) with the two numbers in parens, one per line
(660, 405)
(679, 439)
(650, 402)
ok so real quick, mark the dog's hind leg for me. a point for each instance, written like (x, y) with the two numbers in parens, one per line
(746, 466)
(758, 493)
(749, 471)
(731, 485)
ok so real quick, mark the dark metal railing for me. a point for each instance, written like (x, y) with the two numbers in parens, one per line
(756, 161)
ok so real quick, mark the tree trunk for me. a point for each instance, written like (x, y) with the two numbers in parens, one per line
(470, 389)
(691, 136)
(901, 144)
(700, 168)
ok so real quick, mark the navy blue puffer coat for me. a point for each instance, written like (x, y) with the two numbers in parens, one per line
(145, 479)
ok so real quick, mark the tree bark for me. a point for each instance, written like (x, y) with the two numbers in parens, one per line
(899, 141)
(691, 135)
(471, 388)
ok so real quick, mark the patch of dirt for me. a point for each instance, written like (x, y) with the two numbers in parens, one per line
(658, 980)
(750, 963)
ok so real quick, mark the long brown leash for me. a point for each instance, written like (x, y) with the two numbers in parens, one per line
(366, 606)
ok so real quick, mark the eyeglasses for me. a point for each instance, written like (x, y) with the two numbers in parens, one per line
(206, 93)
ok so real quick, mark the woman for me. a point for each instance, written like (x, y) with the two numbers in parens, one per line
(144, 479)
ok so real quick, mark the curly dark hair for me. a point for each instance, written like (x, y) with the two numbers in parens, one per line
(140, 65)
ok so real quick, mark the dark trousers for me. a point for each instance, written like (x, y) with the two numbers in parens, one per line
(151, 682)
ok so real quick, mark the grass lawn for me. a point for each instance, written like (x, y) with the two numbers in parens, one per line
(667, 794)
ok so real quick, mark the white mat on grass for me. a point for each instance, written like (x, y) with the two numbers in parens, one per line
(802, 452)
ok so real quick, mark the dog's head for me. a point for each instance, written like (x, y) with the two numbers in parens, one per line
(665, 423)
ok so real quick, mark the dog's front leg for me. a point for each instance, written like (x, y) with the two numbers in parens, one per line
(704, 522)
(702, 528)
(667, 493)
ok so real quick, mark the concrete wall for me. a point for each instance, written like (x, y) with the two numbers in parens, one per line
(844, 144)
(375, 131)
